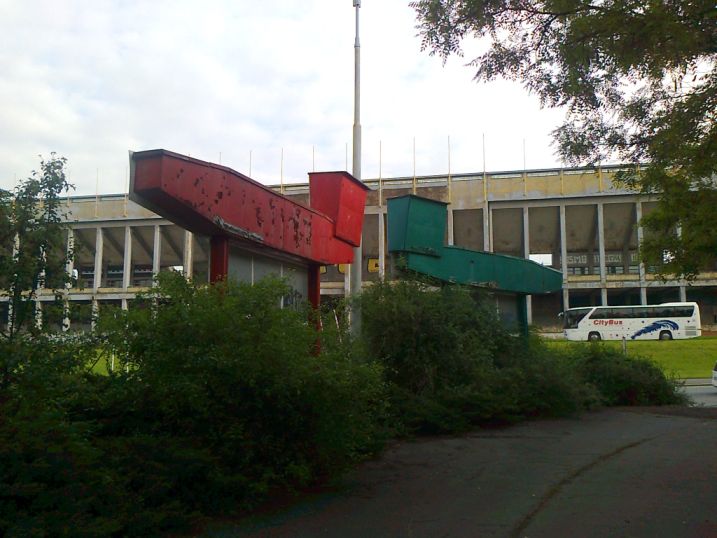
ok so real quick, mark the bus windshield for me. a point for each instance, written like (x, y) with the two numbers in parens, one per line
(574, 316)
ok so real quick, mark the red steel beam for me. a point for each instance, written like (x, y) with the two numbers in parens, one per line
(217, 201)
(214, 200)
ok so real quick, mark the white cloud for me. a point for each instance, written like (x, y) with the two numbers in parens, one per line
(92, 80)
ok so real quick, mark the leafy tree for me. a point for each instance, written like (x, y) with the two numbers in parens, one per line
(639, 83)
(33, 251)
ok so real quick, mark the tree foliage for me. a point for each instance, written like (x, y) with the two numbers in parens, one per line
(33, 249)
(638, 81)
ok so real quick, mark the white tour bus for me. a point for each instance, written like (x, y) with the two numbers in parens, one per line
(647, 322)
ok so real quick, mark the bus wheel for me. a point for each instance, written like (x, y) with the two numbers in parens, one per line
(595, 337)
(665, 335)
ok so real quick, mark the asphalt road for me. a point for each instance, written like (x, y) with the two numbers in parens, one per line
(702, 395)
(619, 472)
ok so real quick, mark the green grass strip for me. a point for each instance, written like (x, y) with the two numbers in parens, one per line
(680, 358)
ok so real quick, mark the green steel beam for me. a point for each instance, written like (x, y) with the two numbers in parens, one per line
(416, 228)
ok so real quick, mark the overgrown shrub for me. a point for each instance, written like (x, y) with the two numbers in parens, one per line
(622, 380)
(451, 364)
(225, 372)
(53, 478)
(430, 339)
(218, 397)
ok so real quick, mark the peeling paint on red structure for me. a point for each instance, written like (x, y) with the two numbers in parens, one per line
(214, 200)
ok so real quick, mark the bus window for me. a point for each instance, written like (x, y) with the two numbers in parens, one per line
(574, 316)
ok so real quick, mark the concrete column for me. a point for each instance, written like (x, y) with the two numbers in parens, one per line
(450, 224)
(125, 304)
(526, 254)
(683, 283)
(40, 286)
(347, 280)
(188, 261)
(69, 268)
(66, 321)
(626, 248)
(641, 269)
(490, 229)
(157, 250)
(564, 257)
(601, 251)
(38, 314)
(381, 246)
(486, 228)
(10, 312)
(526, 233)
(99, 252)
(69, 253)
(566, 298)
(127, 260)
(95, 313)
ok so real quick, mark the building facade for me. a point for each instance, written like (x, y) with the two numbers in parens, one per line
(577, 220)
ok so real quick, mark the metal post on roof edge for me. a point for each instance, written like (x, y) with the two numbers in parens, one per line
(356, 265)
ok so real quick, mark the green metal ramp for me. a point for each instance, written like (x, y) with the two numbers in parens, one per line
(416, 232)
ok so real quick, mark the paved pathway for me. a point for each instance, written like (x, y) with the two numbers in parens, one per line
(702, 395)
(638, 473)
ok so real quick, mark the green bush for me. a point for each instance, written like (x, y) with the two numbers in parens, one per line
(52, 481)
(218, 397)
(429, 339)
(451, 364)
(622, 380)
(225, 365)
(434, 345)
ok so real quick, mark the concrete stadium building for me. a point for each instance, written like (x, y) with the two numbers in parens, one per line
(577, 220)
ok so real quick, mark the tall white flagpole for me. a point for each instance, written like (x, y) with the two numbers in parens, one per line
(356, 266)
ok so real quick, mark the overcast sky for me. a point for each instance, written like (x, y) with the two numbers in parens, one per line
(91, 80)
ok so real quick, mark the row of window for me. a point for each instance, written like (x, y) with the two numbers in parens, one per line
(611, 270)
(643, 312)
